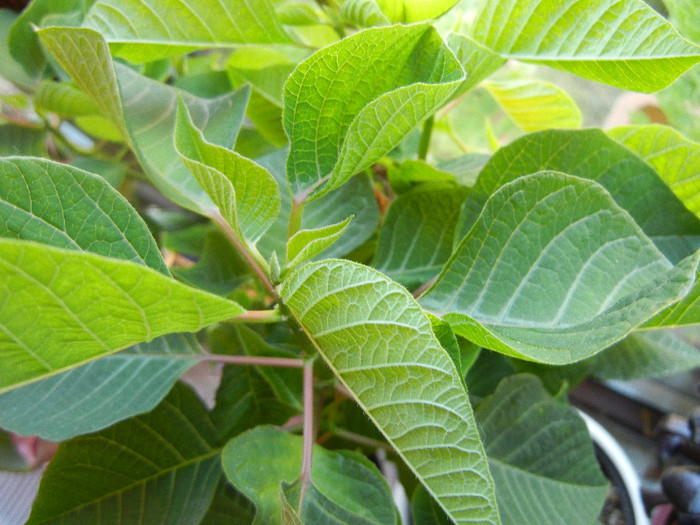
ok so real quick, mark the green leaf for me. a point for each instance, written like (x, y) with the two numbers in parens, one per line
(478, 61)
(355, 315)
(229, 506)
(352, 102)
(20, 140)
(424, 509)
(289, 515)
(537, 446)
(10, 69)
(535, 105)
(64, 98)
(590, 154)
(408, 11)
(363, 13)
(354, 198)
(244, 192)
(430, 215)
(143, 31)
(305, 244)
(125, 304)
(100, 393)
(554, 271)
(66, 207)
(159, 467)
(624, 43)
(144, 110)
(675, 158)
(645, 354)
(258, 460)
(685, 15)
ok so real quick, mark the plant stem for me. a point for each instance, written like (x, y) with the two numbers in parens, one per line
(361, 440)
(280, 362)
(295, 217)
(424, 144)
(308, 434)
(258, 316)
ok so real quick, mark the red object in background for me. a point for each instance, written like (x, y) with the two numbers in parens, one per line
(15, 5)
(34, 450)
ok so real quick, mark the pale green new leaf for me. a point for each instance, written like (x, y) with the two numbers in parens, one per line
(675, 158)
(259, 460)
(408, 11)
(363, 13)
(64, 99)
(305, 244)
(69, 208)
(146, 30)
(123, 304)
(555, 271)
(381, 345)
(415, 240)
(537, 445)
(161, 467)
(590, 154)
(145, 110)
(624, 43)
(352, 102)
(535, 105)
(478, 61)
(244, 192)
(100, 393)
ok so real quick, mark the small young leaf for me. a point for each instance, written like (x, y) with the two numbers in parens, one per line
(554, 271)
(159, 467)
(352, 102)
(259, 460)
(245, 193)
(356, 316)
(123, 304)
(408, 11)
(305, 244)
(100, 393)
(539, 446)
(622, 43)
(363, 13)
(145, 30)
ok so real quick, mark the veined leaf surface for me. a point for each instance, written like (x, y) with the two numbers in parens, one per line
(100, 393)
(381, 345)
(352, 102)
(407, 11)
(554, 271)
(624, 43)
(146, 30)
(159, 467)
(88, 304)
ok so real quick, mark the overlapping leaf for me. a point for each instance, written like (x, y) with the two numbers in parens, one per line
(590, 154)
(159, 467)
(675, 158)
(245, 193)
(142, 31)
(554, 271)
(622, 43)
(408, 11)
(259, 460)
(352, 102)
(539, 446)
(478, 61)
(305, 244)
(430, 215)
(382, 346)
(144, 110)
(100, 393)
(88, 304)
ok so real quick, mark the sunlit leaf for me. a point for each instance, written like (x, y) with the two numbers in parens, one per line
(305, 244)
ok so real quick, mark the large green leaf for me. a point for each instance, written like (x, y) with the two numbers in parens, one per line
(352, 102)
(554, 271)
(541, 456)
(381, 345)
(624, 43)
(161, 467)
(430, 215)
(535, 105)
(123, 304)
(245, 193)
(590, 154)
(675, 158)
(63, 206)
(144, 110)
(100, 393)
(143, 31)
(259, 460)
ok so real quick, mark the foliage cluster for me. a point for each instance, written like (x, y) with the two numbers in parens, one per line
(374, 218)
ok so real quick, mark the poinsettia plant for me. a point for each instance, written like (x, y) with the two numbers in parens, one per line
(367, 219)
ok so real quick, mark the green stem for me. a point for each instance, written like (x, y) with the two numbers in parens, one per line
(308, 432)
(424, 144)
(258, 316)
(251, 360)
(295, 217)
